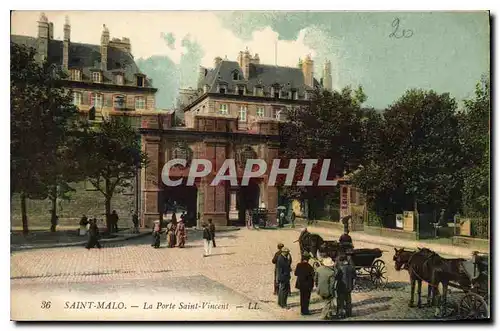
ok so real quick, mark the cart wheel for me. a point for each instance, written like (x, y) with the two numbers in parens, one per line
(472, 306)
(378, 274)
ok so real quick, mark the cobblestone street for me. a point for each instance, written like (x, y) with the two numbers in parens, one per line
(238, 273)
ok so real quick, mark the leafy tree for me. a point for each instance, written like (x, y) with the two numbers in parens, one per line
(110, 154)
(328, 128)
(41, 109)
(475, 140)
(418, 155)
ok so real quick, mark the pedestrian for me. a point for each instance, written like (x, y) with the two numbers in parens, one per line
(305, 282)
(207, 240)
(135, 221)
(292, 218)
(114, 221)
(248, 218)
(345, 240)
(53, 221)
(93, 233)
(183, 216)
(284, 270)
(171, 227)
(345, 222)
(325, 282)
(83, 225)
(211, 227)
(180, 231)
(156, 234)
(275, 260)
(345, 277)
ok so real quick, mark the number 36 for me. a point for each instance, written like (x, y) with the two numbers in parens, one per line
(45, 304)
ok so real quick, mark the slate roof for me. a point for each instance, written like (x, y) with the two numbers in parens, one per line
(260, 74)
(87, 57)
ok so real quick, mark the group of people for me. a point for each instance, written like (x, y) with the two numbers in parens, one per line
(332, 280)
(175, 232)
(92, 231)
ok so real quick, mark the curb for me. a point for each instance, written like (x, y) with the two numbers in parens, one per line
(79, 243)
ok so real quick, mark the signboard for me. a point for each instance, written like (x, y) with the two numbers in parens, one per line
(399, 221)
(344, 201)
(408, 222)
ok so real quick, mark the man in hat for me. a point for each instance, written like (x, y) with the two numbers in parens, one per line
(284, 269)
(345, 240)
(346, 274)
(325, 282)
(207, 240)
(156, 234)
(181, 233)
(275, 260)
(345, 222)
(305, 282)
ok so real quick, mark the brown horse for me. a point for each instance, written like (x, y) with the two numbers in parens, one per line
(413, 261)
(445, 271)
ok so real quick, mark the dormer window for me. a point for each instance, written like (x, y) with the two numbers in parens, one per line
(293, 95)
(140, 81)
(96, 77)
(258, 91)
(236, 75)
(241, 90)
(276, 93)
(119, 79)
(76, 74)
(283, 95)
(222, 89)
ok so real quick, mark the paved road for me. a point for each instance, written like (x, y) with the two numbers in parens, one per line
(238, 273)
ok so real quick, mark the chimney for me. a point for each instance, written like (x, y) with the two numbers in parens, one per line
(43, 38)
(104, 48)
(255, 59)
(51, 31)
(327, 75)
(240, 59)
(245, 64)
(67, 33)
(121, 44)
(217, 60)
(202, 72)
(307, 70)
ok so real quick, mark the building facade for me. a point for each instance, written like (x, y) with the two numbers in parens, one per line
(234, 112)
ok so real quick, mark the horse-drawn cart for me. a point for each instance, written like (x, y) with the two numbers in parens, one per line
(474, 304)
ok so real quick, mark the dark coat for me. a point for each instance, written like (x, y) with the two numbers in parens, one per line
(207, 235)
(211, 227)
(305, 276)
(345, 277)
(135, 219)
(345, 238)
(284, 268)
(93, 230)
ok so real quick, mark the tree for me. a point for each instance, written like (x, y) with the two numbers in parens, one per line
(327, 128)
(110, 154)
(418, 155)
(475, 140)
(41, 109)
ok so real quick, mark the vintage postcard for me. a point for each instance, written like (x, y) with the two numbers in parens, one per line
(250, 166)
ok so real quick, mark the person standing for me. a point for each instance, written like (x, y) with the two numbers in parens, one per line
(211, 227)
(305, 282)
(93, 235)
(292, 218)
(181, 233)
(171, 227)
(284, 269)
(53, 221)
(83, 225)
(275, 260)
(325, 282)
(346, 274)
(156, 234)
(207, 240)
(345, 222)
(135, 221)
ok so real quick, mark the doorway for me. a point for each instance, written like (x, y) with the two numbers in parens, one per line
(247, 198)
(178, 199)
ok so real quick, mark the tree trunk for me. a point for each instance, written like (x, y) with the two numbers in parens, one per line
(53, 212)
(108, 213)
(23, 213)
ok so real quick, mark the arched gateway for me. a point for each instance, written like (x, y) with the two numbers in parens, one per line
(216, 139)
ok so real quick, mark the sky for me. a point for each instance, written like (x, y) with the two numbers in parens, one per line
(384, 52)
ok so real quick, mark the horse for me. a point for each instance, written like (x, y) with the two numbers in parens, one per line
(414, 262)
(445, 270)
(310, 242)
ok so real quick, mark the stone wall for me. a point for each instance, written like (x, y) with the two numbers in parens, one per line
(83, 201)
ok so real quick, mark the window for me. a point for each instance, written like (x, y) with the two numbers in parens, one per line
(222, 90)
(140, 103)
(76, 75)
(140, 81)
(96, 100)
(236, 76)
(119, 79)
(283, 94)
(119, 102)
(241, 90)
(277, 114)
(276, 93)
(260, 111)
(223, 109)
(243, 114)
(259, 91)
(96, 77)
(77, 98)
(293, 95)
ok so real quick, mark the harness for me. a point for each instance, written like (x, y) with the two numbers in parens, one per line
(412, 270)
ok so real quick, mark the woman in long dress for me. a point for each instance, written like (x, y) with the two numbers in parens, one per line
(171, 234)
(181, 234)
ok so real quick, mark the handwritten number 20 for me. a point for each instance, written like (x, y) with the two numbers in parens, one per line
(46, 304)
(399, 33)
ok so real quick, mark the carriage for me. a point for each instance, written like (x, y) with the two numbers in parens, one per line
(366, 260)
(474, 304)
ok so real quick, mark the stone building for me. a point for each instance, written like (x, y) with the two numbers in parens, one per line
(234, 112)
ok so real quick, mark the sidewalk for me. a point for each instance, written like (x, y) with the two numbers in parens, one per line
(442, 249)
